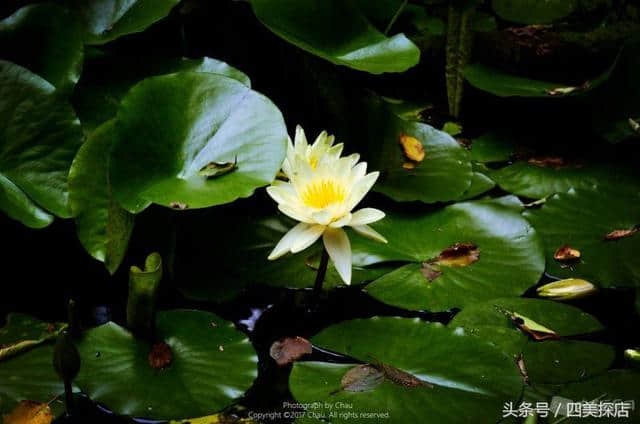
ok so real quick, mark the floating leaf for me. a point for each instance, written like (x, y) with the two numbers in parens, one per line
(464, 371)
(46, 39)
(289, 349)
(529, 326)
(581, 218)
(103, 227)
(234, 122)
(29, 412)
(39, 136)
(106, 20)
(506, 260)
(350, 40)
(201, 379)
(533, 11)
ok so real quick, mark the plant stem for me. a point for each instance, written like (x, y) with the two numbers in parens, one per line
(68, 397)
(395, 17)
(322, 272)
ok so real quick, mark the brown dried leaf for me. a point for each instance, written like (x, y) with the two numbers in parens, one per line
(618, 234)
(402, 378)
(566, 254)
(362, 378)
(160, 356)
(29, 412)
(548, 162)
(459, 255)
(289, 349)
(429, 271)
(522, 369)
(412, 148)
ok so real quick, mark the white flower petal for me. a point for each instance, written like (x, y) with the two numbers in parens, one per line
(294, 212)
(370, 233)
(282, 192)
(284, 245)
(322, 217)
(307, 237)
(337, 244)
(366, 216)
(339, 223)
(361, 188)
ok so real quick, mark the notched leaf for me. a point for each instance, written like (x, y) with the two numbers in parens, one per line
(160, 356)
(178, 205)
(29, 412)
(289, 349)
(412, 148)
(362, 378)
(619, 234)
(217, 169)
(532, 328)
(566, 254)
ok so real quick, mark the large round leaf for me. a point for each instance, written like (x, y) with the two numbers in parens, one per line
(533, 11)
(46, 39)
(212, 365)
(106, 80)
(106, 20)
(601, 224)
(39, 136)
(506, 260)
(172, 127)
(338, 32)
(470, 378)
(103, 226)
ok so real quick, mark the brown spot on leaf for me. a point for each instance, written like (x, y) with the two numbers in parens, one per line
(566, 254)
(459, 255)
(412, 148)
(409, 165)
(51, 328)
(402, 378)
(522, 369)
(619, 234)
(289, 349)
(430, 271)
(178, 205)
(160, 356)
(362, 378)
(29, 412)
(548, 162)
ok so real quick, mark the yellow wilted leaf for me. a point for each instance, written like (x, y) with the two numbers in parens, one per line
(412, 148)
(29, 412)
(215, 419)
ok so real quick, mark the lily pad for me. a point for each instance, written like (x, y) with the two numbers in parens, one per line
(585, 220)
(28, 375)
(480, 183)
(462, 376)
(103, 226)
(533, 11)
(212, 365)
(106, 20)
(338, 32)
(46, 39)
(39, 136)
(503, 84)
(171, 126)
(106, 80)
(509, 256)
(494, 146)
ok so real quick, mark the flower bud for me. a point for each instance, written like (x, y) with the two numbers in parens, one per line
(571, 288)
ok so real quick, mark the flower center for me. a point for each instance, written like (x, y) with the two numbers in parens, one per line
(323, 192)
(313, 161)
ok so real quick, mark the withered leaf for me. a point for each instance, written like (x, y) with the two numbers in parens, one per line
(412, 147)
(619, 234)
(362, 378)
(160, 356)
(566, 254)
(532, 328)
(548, 162)
(459, 255)
(430, 271)
(409, 165)
(522, 369)
(402, 378)
(217, 169)
(29, 412)
(289, 349)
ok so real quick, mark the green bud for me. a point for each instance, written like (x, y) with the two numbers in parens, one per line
(571, 288)
(633, 356)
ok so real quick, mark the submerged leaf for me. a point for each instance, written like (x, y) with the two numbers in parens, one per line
(289, 349)
(29, 412)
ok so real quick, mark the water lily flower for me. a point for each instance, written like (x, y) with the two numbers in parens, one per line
(571, 288)
(322, 191)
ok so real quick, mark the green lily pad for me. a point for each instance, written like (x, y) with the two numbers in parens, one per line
(29, 375)
(556, 362)
(46, 39)
(172, 126)
(508, 255)
(469, 378)
(591, 221)
(480, 183)
(443, 174)
(103, 227)
(502, 84)
(106, 80)
(338, 32)
(39, 136)
(106, 20)
(212, 365)
(533, 11)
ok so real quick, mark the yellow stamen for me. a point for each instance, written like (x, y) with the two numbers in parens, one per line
(321, 193)
(313, 161)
